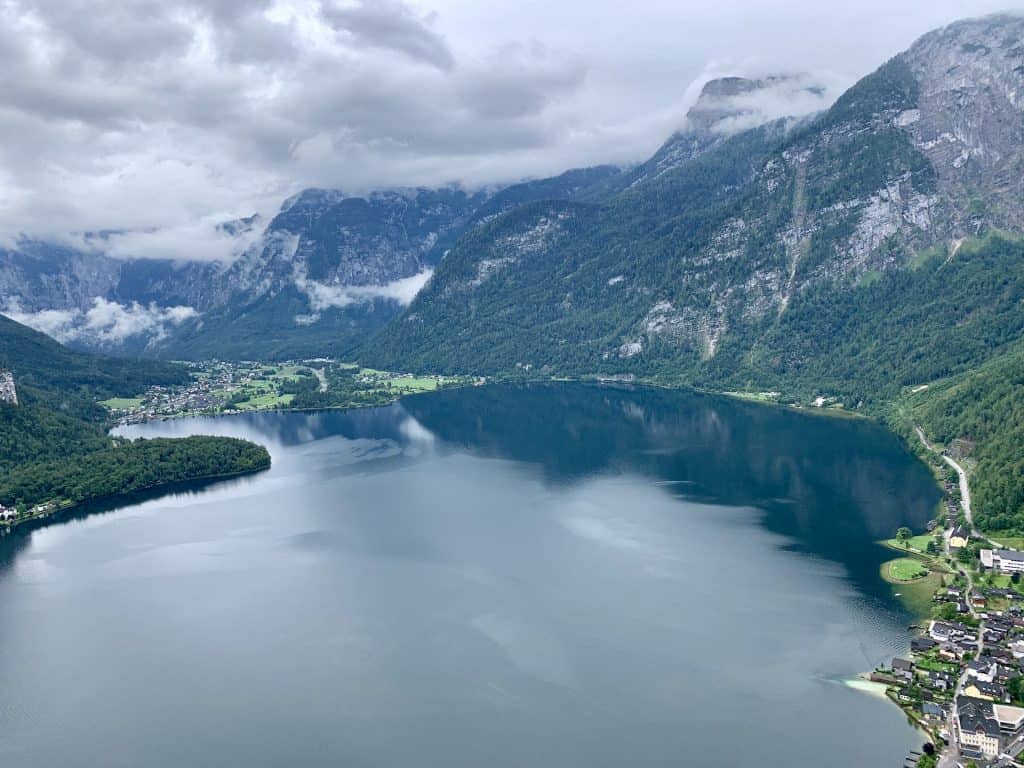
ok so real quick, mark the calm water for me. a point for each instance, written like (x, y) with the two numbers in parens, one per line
(550, 576)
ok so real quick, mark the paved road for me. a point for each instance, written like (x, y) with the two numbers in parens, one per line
(949, 758)
(965, 492)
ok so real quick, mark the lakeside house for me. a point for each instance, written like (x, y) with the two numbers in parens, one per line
(922, 644)
(948, 631)
(903, 668)
(1002, 560)
(7, 514)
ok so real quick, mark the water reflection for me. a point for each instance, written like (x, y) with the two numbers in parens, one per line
(832, 485)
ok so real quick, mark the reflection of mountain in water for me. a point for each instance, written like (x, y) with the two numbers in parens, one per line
(834, 485)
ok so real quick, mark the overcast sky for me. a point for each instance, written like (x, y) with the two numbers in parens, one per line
(172, 115)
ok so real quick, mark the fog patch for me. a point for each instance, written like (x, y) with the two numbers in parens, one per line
(105, 323)
(323, 296)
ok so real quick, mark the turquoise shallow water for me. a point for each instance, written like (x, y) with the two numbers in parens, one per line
(544, 576)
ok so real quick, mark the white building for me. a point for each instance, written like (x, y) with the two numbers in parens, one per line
(983, 728)
(1003, 560)
(977, 731)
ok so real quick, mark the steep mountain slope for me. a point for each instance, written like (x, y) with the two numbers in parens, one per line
(726, 106)
(327, 272)
(698, 271)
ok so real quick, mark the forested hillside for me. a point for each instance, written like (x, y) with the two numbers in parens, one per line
(54, 445)
(984, 409)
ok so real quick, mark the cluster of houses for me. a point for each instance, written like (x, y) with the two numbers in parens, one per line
(958, 681)
(984, 728)
(8, 394)
(205, 393)
(10, 515)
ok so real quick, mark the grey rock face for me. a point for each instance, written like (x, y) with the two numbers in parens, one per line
(39, 276)
(970, 118)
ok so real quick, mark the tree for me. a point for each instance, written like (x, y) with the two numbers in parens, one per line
(903, 535)
(1015, 687)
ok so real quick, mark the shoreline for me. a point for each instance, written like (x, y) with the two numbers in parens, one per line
(121, 499)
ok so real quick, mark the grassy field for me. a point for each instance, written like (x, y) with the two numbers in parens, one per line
(266, 400)
(904, 569)
(116, 403)
(937, 666)
(414, 384)
(914, 543)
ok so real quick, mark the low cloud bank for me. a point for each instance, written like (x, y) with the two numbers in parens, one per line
(323, 296)
(105, 323)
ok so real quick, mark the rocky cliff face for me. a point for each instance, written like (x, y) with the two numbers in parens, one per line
(969, 119)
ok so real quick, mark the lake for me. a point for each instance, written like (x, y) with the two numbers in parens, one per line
(553, 575)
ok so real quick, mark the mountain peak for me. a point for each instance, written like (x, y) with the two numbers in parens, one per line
(728, 105)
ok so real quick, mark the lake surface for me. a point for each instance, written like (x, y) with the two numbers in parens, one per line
(541, 576)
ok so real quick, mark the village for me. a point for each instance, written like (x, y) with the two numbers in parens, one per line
(216, 387)
(963, 680)
(222, 387)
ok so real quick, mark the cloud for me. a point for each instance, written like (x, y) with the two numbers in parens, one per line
(323, 296)
(771, 97)
(203, 240)
(390, 25)
(105, 322)
(148, 116)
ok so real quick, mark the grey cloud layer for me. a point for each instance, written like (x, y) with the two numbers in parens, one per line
(166, 116)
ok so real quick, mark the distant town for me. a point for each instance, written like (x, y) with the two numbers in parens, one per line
(221, 387)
